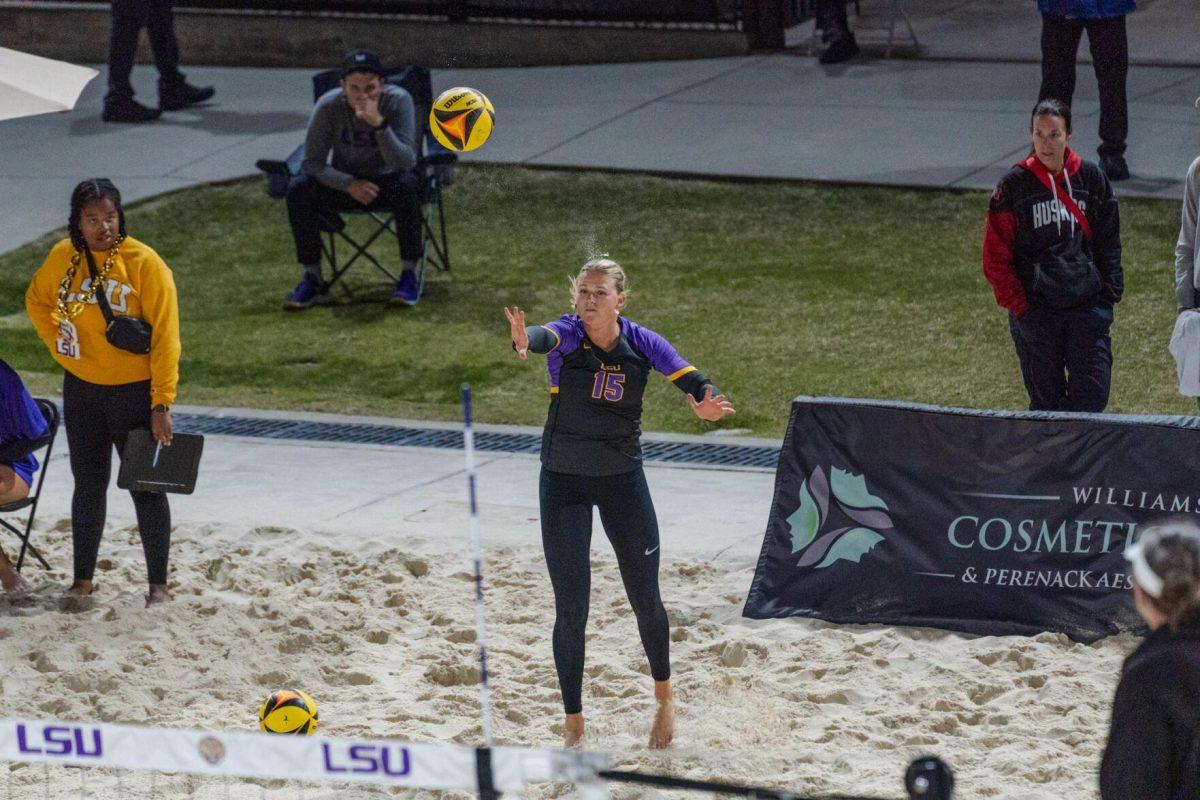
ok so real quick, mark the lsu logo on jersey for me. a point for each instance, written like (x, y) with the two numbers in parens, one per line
(116, 292)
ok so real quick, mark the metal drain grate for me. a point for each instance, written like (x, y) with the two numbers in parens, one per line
(716, 454)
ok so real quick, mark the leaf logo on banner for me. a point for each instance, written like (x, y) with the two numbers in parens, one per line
(850, 495)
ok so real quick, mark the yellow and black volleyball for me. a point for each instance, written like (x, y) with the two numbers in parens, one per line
(288, 711)
(461, 118)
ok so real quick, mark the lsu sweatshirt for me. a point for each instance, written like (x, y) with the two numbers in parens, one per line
(138, 285)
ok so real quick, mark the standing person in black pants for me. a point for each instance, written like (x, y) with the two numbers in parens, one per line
(599, 363)
(174, 92)
(1052, 253)
(109, 391)
(1063, 24)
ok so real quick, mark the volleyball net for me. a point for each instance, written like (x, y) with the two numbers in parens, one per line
(178, 763)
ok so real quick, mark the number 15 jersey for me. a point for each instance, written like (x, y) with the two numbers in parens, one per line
(594, 424)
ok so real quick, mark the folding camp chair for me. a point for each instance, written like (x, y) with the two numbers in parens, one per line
(435, 169)
(50, 412)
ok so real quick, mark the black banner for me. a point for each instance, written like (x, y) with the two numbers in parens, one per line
(987, 522)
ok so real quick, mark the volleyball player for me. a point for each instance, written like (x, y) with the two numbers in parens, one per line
(599, 363)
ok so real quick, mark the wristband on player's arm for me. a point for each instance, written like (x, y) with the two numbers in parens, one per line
(695, 383)
(540, 339)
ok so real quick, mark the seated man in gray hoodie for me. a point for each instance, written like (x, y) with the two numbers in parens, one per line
(369, 127)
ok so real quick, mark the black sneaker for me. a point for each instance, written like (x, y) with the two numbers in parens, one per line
(840, 49)
(126, 109)
(181, 95)
(1114, 167)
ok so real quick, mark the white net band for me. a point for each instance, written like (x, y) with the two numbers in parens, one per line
(305, 758)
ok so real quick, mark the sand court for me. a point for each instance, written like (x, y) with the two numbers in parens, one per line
(345, 570)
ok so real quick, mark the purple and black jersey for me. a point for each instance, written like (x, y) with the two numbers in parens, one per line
(20, 418)
(594, 424)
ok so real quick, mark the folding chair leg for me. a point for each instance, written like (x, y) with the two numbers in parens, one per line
(329, 251)
(430, 235)
(443, 247)
(25, 545)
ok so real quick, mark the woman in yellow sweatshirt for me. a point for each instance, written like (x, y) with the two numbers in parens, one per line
(108, 391)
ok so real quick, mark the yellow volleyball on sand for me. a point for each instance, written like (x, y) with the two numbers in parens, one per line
(288, 711)
(461, 118)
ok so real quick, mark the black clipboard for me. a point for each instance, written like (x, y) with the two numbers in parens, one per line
(145, 467)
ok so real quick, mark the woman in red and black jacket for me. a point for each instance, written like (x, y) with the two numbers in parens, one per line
(1052, 253)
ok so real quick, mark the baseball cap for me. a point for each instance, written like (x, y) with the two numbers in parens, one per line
(361, 61)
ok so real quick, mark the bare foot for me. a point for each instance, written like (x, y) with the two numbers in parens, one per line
(663, 729)
(81, 589)
(158, 594)
(16, 585)
(573, 737)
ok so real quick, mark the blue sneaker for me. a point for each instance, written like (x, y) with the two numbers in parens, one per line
(310, 291)
(408, 289)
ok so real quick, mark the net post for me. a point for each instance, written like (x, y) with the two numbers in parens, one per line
(483, 774)
(485, 695)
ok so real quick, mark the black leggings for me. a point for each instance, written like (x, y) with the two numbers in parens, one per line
(627, 514)
(97, 418)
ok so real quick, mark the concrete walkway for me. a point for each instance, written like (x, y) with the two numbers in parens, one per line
(1161, 32)
(419, 494)
(955, 116)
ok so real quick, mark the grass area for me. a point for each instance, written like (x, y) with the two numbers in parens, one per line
(772, 289)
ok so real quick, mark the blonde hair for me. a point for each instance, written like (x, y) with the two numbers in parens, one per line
(1172, 551)
(606, 267)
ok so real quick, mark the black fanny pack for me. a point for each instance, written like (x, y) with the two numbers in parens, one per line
(127, 333)
(1065, 283)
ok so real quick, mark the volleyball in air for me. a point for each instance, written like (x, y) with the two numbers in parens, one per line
(288, 711)
(461, 119)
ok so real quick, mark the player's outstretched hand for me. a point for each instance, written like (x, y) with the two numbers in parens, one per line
(516, 326)
(711, 408)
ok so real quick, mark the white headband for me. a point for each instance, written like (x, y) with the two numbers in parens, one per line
(1146, 578)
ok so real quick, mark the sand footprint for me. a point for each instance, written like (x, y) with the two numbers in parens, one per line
(292, 645)
(453, 674)
(348, 678)
(273, 678)
(41, 662)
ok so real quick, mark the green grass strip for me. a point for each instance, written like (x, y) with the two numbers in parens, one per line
(773, 289)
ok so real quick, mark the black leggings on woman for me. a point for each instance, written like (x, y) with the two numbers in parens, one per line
(627, 514)
(97, 419)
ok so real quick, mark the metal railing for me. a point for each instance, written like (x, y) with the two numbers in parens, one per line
(717, 14)
(763, 21)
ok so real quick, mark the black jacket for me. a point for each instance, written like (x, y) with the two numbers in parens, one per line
(1035, 253)
(1152, 743)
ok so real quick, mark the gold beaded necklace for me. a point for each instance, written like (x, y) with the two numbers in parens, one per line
(64, 310)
